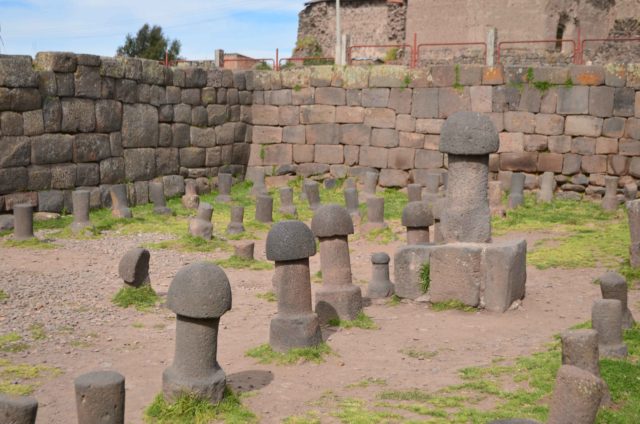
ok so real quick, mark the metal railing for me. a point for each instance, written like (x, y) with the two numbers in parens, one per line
(381, 46)
(463, 43)
(556, 41)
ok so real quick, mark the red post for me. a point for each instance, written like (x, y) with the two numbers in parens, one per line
(578, 55)
(415, 50)
(166, 58)
(276, 66)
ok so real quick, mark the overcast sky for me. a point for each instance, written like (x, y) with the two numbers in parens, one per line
(252, 27)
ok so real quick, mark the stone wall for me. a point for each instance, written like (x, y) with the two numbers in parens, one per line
(579, 122)
(70, 120)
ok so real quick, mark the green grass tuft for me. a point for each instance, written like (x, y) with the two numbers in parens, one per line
(189, 409)
(142, 298)
(394, 300)
(310, 417)
(236, 262)
(12, 342)
(189, 243)
(266, 355)
(451, 304)
(268, 296)
(425, 277)
(361, 321)
(37, 332)
(355, 411)
(33, 243)
(3, 295)
(368, 382)
(419, 354)
(381, 235)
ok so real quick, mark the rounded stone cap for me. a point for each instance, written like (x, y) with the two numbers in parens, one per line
(380, 258)
(611, 279)
(417, 214)
(200, 290)
(289, 241)
(134, 265)
(99, 379)
(331, 220)
(469, 133)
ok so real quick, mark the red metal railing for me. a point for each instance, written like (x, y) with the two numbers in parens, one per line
(470, 43)
(304, 59)
(380, 46)
(606, 40)
(502, 43)
(254, 61)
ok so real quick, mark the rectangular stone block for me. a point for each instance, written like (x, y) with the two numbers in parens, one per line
(401, 158)
(456, 273)
(281, 97)
(493, 75)
(535, 143)
(452, 100)
(51, 148)
(573, 100)
(349, 115)
(63, 176)
(330, 96)
(481, 99)
(443, 75)
(190, 157)
(322, 134)
(601, 101)
(375, 97)
(593, 164)
(355, 134)
(317, 114)
(91, 147)
(550, 162)
(351, 155)
(605, 145)
(425, 103)
(304, 96)
(278, 154)
(519, 122)
(432, 142)
(288, 115)
(511, 142)
(16, 151)
(588, 126)
(583, 145)
(586, 75)
(428, 159)
(519, 161)
(549, 124)
(615, 75)
(294, 134)
(303, 153)
(78, 115)
(266, 135)
(530, 100)
(140, 164)
(571, 164)
(560, 144)
(429, 126)
(393, 178)
(380, 118)
(329, 154)
(505, 98)
(40, 178)
(632, 128)
(617, 165)
(382, 137)
(375, 157)
(207, 137)
(400, 100)
(264, 115)
(505, 266)
(411, 139)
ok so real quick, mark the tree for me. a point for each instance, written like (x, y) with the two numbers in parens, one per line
(150, 43)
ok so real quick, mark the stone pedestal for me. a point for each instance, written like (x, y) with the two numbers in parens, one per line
(370, 184)
(375, 214)
(576, 397)
(414, 192)
(225, 181)
(547, 187)
(190, 200)
(606, 319)
(633, 213)
(156, 194)
(100, 398)
(614, 286)
(81, 204)
(18, 409)
(417, 217)
(257, 177)
(244, 250)
(353, 204)
(287, 207)
(236, 225)
(312, 191)
(408, 262)
(380, 285)
(120, 202)
(264, 208)
(610, 200)
(495, 199)
(516, 192)
(134, 267)
(201, 225)
(23, 221)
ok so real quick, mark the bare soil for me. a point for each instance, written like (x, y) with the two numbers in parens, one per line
(68, 291)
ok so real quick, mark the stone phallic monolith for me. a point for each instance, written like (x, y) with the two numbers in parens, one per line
(244, 250)
(468, 138)
(350, 183)
(576, 396)
(495, 199)
(610, 200)
(287, 207)
(201, 225)
(312, 190)
(606, 319)
(100, 397)
(258, 182)
(199, 295)
(633, 213)
(380, 285)
(264, 208)
(190, 200)
(134, 267)
(330, 183)
(81, 204)
(516, 191)
(156, 195)
(224, 188)
(120, 202)
(375, 214)
(18, 409)
(352, 203)
(630, 191)
(431, 188)
(236, 225)
(580, 349)
(370, 184)
(417, 217)
(338, 297)
(6, 222)
(290, 244)
(614, 286)
(23, 221)
(547, 187)
(414, 192)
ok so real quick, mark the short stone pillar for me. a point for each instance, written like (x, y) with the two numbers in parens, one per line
(338, 297)
(100, 397)
(312, 190)
(606, 319)
(576, 396)
(290, 244)
(199, 295)
(156, 195)
(244, 250)
(352, 203)
(414, 192)
(23, 221)
(614, 286)
(134, 267)
(120, 202)
(580, 349)
(225, 181)
(380, 285)
(190, 200)
(495, 199)
(201, 225)
(468, 138)
(287, 207)
(81, 205)
(264, 208)
(417, 217)
(257, 179)
(236, 226)
(375, 214)
(547, 187)
(18, 409)
(6, 222)
(630, 191)
(330, 183)
(610, 200)
(516, 191)
(431, 187)
(633, 214)
(370, 184)
(350, 183)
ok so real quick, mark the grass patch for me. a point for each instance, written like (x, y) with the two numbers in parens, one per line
(310, 417)
(361, 321)
(368, 382)
(356, 411)
(37, 332)
(142, 298)
(394, 300)
(266, 355)
(425, 277)
(189, 409)
(189, 243)
(3, 295)
(236, 262)
(419, 354)
(268, 296)
(32, 243)
(137, 325)
(12, 342)
(451, 304)
(381, 235)
(18, 379)
(632, 275)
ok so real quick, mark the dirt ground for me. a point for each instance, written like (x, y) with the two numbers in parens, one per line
(68, 291)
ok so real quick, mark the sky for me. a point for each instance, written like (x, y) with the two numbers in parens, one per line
(251, 27)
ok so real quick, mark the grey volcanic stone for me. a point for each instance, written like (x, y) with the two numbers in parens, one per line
(417, 217)
(380, 285)
(286, 202)
(414, 192)
(201, 225)
(289, 241)
(156, 194)
(119, 201)
(614, 286)
(18, 409)
(469, 133)
(81, 205)
(633, 212)
(190, 200)
(236, 225)
(264, 208)
(456, 273)
(312, 190)
(200, 290)
(224, 187)
(331, 220)
(23, 221)
(547, 187)
(516, 194)
(576, 397)
(370, 183)
(6, 222)
(134, 267)
(580, 349)
(505, 274)
(408, 262)
(606, 319)
(100, 397)
(610, 200)
(244, 250)
(352, 203)
(495, 198)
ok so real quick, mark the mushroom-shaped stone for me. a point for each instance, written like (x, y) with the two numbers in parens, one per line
(290, 240)
(134, 267)
(469, 133)
(417, 214)
(200, 290)
(331, 220)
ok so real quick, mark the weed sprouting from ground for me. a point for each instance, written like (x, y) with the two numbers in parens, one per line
(361, 321)
(142, 298)
(266, 355)
(368, 382)
(240, 263)
(3, 295)
(268, 296)
(37, 332)
(394, 300)
(451, 304)
(22, 379)
(12, 342)
(425, 277)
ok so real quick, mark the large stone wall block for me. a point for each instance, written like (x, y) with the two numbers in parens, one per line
(573, 100)
(601, 101)
(393, 178)
(424, 103)
(519, 122)
(16, 151)
(139, 126)
(56, 61)
(587, 74)
(13, 180)
(33, 122)
(51, 148)
(519, 161)
(25, 99)
(16, 71)
(391, 76)
(452, 100)
(589, 126)
(375, 97)
(505, 266)
(153, 72)
(549, 124)
(78, 115)
(456, 273)
(63, 176)
(408, 262)
(321, 134)
(91, 147)
(87, 82)
(380, 117)
(505, 98)
(331, 96)
(264, 115)
(203, 137)
(317, 114)
(278, 154)
(140, 164)
(375, 157)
